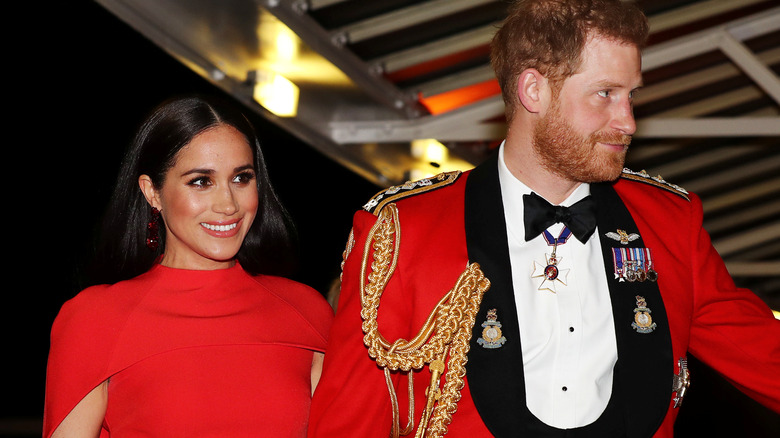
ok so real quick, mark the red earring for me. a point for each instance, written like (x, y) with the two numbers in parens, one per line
(152, 230)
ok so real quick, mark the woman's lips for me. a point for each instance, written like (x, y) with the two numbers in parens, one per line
(221, 229)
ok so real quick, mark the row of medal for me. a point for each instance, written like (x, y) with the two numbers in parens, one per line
(633, 264)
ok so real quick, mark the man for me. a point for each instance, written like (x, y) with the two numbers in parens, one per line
(583, 320)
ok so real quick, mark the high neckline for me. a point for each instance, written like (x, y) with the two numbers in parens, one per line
(196, 278)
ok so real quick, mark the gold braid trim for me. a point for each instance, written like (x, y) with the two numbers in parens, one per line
(347, 251)
(442, 342)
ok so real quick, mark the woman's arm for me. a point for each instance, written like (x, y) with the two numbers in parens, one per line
(86, 419)
(316, 370)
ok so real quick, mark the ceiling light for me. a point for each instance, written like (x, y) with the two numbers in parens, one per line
(276, 93)
(429, 150)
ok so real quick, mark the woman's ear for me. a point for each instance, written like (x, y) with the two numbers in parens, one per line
(150, 193)
(532, 90)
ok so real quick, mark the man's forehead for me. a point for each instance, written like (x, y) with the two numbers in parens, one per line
(608, 59)
(595, 35)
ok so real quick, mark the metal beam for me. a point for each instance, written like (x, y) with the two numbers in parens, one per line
(145, 17)
(701, 78)
(715, 103)
(461, 124)
(742, 216)
(463, 128)
(695, 12)
(679, 167)
(657, 127)
(686, 47)
(665, 125)
(769, 188)
(454, 81)
(749, 238)
(754, 269)
(402, 18)
(319, 4)
(752, 67)
(437, 49)
(734, 174)
(291, 14)
(767, 251)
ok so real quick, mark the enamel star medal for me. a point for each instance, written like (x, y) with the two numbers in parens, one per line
(549, 272)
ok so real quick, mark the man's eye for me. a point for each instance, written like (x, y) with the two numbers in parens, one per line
(603, 93)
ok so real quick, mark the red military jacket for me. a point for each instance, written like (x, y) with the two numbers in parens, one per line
(456, 219)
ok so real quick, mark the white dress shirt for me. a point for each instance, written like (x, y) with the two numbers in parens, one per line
(568, 336)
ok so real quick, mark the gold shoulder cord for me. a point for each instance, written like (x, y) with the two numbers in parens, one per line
(443, 339)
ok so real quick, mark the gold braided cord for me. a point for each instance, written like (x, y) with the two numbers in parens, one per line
(442, 342)
(347, 251)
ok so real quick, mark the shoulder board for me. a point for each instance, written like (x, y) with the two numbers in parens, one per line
(656, 181)
(410, 188)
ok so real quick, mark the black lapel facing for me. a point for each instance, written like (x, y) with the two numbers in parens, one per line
(645, 365)
(495, 375)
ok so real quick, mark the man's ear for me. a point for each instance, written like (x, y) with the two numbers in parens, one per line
(532, 90)
(150, 193)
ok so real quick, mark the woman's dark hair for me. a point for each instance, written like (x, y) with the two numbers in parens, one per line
(122, 252)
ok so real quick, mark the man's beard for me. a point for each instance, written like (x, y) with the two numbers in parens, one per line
(565, 153)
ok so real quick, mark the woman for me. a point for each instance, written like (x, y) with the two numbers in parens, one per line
(189, 335)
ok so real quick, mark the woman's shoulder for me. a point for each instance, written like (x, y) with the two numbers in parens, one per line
(304, 299)
(99, 306)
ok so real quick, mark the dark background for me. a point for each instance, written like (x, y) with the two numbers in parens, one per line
(80, 81)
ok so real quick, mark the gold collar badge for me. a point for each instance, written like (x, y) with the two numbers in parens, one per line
(491, 332)
(643, 322)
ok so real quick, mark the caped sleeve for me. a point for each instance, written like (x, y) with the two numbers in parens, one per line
(313, 313)
(81, 344)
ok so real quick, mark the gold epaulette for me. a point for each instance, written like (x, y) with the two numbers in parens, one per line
(409, 188)
(656, 181)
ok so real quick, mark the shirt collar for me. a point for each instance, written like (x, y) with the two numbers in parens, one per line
(512, 191)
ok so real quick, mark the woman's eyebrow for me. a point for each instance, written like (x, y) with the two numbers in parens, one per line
(243, 168)
(198, 171)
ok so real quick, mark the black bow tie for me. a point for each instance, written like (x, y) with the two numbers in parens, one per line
(539, 214)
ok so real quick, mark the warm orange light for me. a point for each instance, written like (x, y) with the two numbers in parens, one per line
(451, 100)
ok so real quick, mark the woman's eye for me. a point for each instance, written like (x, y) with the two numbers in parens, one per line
(201, 181)
(244, 177)
(603, 93)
